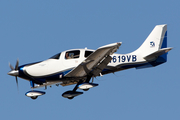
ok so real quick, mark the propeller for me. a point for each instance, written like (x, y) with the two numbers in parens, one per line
(14, 71)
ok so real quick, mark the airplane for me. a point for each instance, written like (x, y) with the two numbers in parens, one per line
(81, 66)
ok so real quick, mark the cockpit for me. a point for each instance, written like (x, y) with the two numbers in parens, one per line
(87, 53)
(57, 56)
(73, 54)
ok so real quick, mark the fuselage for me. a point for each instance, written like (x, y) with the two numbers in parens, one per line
(59, 65)
(78, 66)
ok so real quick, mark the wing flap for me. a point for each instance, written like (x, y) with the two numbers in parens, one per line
(101, 66)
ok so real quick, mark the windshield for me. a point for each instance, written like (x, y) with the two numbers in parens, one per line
(55, 56)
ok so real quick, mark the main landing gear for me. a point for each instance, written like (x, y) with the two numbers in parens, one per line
(33, 94)
(81, 85)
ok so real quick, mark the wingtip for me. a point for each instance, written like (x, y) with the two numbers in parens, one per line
(119, 43)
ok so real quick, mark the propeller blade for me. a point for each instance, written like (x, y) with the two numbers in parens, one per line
(17, 64)
(17, 83)
(12, 68)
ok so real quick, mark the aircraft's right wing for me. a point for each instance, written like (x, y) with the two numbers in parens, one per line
(96, 62)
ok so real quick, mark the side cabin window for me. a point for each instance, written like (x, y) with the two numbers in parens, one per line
(57, 56)
(72, 54)
(87, 53)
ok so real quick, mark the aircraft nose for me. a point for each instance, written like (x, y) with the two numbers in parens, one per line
(13, 73)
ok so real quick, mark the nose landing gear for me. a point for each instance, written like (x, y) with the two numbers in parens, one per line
(34, 94)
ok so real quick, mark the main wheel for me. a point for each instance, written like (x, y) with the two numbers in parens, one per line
(34, 97)
(86, 89)
(70, 98)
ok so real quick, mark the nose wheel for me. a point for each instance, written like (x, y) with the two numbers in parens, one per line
(34, 97)
(33, 94)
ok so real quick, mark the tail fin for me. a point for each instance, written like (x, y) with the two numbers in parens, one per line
(156, 40)
(154, 49)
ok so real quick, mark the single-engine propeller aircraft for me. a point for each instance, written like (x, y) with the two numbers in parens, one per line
(79, 66)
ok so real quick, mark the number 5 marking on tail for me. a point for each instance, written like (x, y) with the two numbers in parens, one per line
(152, 44)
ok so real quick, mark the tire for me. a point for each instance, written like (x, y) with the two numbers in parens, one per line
(34, 97)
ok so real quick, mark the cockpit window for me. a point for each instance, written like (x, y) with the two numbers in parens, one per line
(56, 56)
(87, 53)
(72, 54)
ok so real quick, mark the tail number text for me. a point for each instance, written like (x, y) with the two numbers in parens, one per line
(124, 58)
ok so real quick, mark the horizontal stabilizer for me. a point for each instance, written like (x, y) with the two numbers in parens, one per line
(157, 53)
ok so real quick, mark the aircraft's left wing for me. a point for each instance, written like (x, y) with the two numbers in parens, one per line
(96, 62)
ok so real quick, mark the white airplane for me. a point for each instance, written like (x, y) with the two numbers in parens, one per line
(78, 66)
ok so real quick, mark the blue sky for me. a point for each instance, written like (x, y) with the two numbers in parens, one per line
(36, 30)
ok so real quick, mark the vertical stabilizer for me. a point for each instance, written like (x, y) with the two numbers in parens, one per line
(156, 40)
